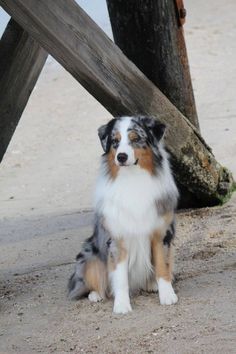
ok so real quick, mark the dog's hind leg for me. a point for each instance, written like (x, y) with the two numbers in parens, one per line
(95, 277)
(90, 271)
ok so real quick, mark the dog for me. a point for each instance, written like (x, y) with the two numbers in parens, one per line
(135, 200)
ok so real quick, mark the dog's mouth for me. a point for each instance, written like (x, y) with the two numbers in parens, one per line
(124, 164)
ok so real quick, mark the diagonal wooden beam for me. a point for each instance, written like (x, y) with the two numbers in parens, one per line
(21, 61)
(75, 41)
(150, 35)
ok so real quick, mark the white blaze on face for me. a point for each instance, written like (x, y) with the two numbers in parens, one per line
(124, 146)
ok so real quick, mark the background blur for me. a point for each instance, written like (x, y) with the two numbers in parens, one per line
(51, 163)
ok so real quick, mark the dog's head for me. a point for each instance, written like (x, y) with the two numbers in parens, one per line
(130, 141)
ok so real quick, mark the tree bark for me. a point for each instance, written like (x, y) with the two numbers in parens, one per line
(21, 61)
(150, 35)
(70, 35)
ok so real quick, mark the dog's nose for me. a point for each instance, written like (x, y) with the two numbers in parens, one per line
(122, 157)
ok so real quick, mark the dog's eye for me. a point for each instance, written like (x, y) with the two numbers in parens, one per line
(136, 139)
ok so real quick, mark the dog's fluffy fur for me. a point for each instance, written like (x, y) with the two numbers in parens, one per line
(131, 247)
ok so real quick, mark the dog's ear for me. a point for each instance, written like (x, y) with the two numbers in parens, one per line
(103, 136)
(104, 133)
(154, 128)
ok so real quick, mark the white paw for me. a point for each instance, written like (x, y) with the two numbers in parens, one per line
(94, 296)
(122, 306)
(166, 292)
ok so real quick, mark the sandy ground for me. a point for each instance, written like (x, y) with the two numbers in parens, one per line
(37, 317)
(46, 184)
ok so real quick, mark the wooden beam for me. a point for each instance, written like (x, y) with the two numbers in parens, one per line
(21, 61)
(70, 35)
(150, 35)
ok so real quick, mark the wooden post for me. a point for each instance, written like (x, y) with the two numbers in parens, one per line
(70, 35)
(21, 61)
(150, 34)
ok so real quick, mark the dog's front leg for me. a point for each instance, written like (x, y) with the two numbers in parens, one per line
(163, 271)
(118, 274)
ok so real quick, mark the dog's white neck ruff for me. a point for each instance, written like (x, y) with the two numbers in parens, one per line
(128, 203)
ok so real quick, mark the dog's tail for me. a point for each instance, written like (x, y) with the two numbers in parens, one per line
(76, 284)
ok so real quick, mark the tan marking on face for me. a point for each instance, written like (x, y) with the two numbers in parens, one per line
(145, 159)
(162, 260)
(132, 136)
(117, 136)
(95, 276)
(113, 168)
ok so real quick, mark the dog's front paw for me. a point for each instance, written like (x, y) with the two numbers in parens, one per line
(167, 295)
(122, 306)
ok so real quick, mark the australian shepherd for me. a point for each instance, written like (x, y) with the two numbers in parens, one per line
(135, 200)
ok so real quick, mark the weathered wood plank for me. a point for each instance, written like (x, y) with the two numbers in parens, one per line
(67, 33)
(149, 34)
(21, 61)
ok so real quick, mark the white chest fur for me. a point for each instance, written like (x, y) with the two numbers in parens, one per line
(128, 203)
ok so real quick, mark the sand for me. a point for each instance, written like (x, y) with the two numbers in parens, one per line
(46, 181)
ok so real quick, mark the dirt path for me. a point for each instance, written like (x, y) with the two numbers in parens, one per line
(37, 317)
(47, 176)
(52, 160)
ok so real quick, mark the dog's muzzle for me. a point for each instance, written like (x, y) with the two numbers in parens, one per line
(122, 157)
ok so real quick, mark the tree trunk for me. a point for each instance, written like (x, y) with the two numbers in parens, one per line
(150, 34)
(75, 41)
(21, 62)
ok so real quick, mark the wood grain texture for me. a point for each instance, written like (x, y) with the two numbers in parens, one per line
(149, 34)
(21, 61)
(75, 41)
